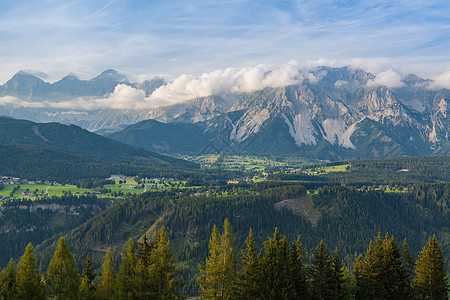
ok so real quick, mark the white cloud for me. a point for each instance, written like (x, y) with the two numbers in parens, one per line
(235, 80)
(441, 81)
(389, 78)
(16, 102)
(372, 65)
(340, 83)
(123, 97)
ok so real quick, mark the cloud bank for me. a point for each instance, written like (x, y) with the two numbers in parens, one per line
(230, 80)
(389, 78)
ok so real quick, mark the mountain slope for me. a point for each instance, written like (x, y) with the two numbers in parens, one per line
(75, 140)
(334, 113)
(179, 138)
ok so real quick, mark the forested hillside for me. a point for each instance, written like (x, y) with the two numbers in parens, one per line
(74, 140)
(341, 216)
(39, 163)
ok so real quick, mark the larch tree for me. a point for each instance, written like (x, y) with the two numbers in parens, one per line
(209, 279)
(228, 260)
(29, 284)
(163, 270)
(126, 278)
(216, 280)
(62, 278)
(108, 280)
(8, 281)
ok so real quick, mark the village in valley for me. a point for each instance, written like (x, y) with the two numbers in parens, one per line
(116, 186)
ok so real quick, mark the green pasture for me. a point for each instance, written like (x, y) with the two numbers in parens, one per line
(327, 169)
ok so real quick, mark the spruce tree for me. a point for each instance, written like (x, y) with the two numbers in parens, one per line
(275, 267)
(430, 281)
(366, 274)
(8, 281)
(247, 279)
(108, 280)
(321, 277)
(391, 273)
(126, 278)
(29, 284)
(62, 278)
(337, 278)
(298, 272)
(88, 286)
(408, 264)
(142, 279)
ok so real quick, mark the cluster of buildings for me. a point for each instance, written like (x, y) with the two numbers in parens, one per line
(16, 180)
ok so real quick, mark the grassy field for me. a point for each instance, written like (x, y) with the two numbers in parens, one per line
(327, 169)
(114, 190)
(236, 162)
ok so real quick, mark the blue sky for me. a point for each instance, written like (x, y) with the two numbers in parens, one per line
(170, 38)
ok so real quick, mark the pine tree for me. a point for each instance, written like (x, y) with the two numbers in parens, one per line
(430, 281)
(108, 279)
(126, 278)
(87, 286)
(321, 278)
(62, 278)
(29, 284)
(247, 282)
(8, 282)
(162, 268)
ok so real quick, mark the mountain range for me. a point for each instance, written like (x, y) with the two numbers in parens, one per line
(337, 114)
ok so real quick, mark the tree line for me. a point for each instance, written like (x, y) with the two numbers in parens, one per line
(280, 270)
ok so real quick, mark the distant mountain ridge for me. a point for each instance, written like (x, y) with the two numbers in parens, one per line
(74, 140)
(339, 115)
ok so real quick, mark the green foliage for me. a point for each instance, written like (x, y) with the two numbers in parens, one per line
(162, 269)
(62, 279)
(248, 278)
(430, 281)
(108, 280)
(8, 282)
(88, 287)
(382, 274)
(218, 276)
(35, 221)
(126, 278)
(29, 284)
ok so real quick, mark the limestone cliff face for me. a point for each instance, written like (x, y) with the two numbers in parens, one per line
(337, 107)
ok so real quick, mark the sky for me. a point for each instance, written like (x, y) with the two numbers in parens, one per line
(173, 39)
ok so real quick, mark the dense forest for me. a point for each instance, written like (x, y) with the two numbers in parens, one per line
(405, 198)
(280, 270)
(343, 217)
(398, 170)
